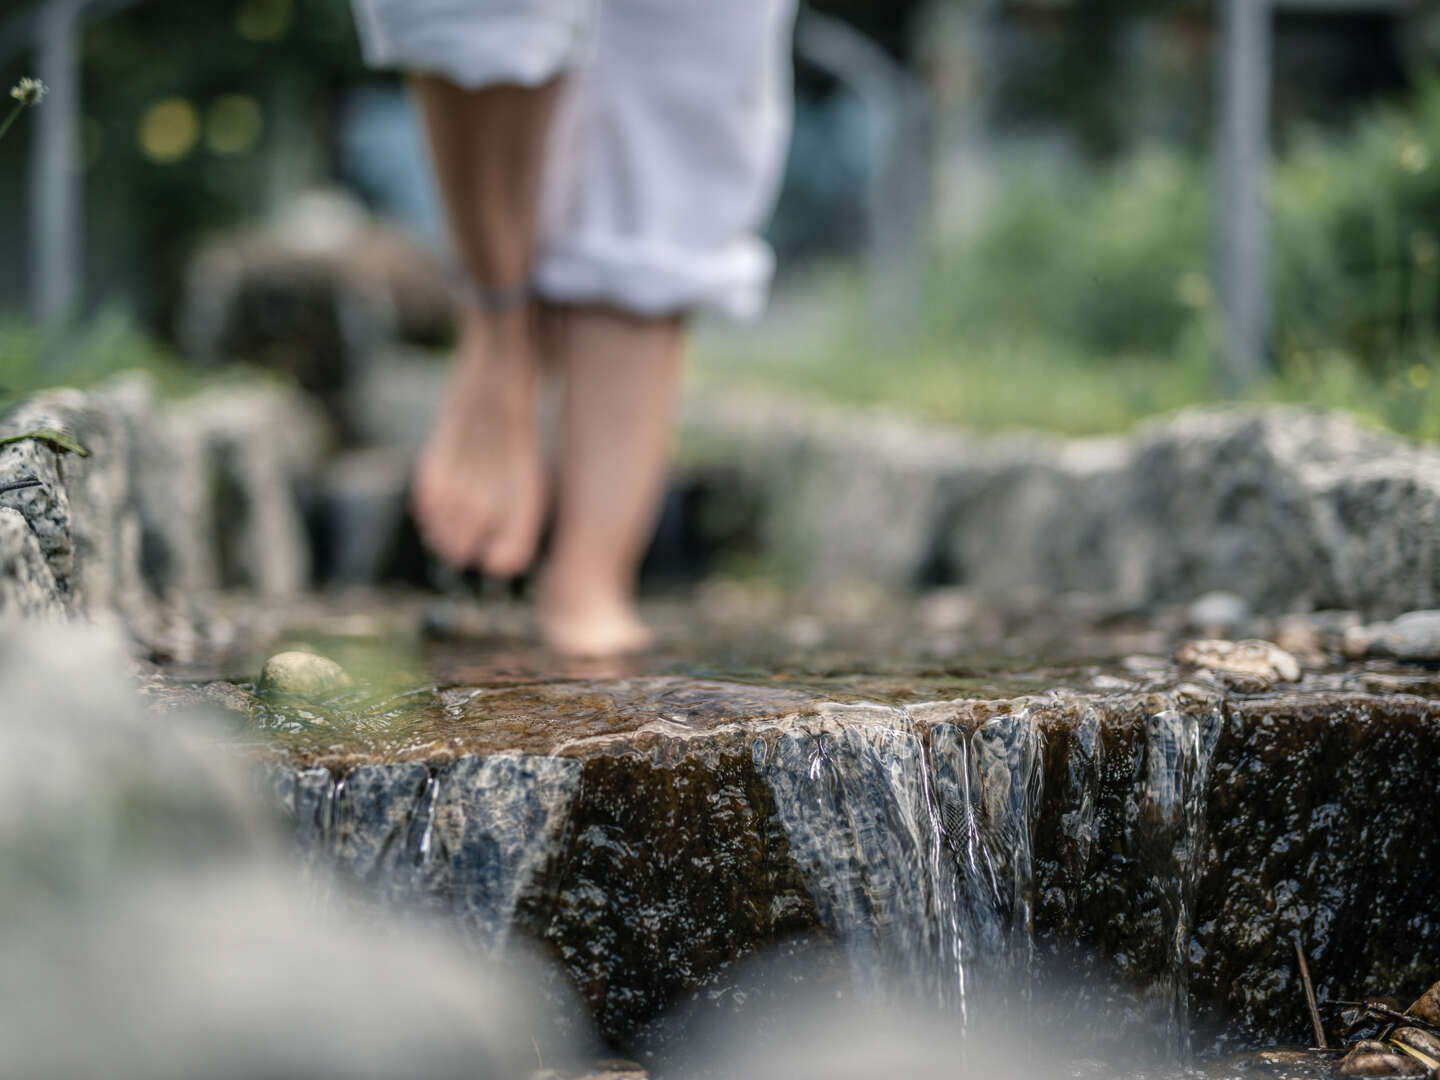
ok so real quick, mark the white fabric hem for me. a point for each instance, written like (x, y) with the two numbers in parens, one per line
(734, 281)
(519, 49)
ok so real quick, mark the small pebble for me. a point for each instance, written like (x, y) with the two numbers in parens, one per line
(303, 675)
(1246, 665)
(1413, 637)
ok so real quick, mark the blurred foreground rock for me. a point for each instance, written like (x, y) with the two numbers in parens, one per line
(153, 932)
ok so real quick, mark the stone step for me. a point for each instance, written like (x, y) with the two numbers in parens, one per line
(1153, 848)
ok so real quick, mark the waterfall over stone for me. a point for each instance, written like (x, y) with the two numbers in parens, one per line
(1128, 867)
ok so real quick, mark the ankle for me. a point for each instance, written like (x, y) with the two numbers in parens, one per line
(500, 363)
(508, 337)
(583, 591)
(591, 619)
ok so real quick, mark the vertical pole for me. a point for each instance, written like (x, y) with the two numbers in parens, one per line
(1244, 77)
(56, 202)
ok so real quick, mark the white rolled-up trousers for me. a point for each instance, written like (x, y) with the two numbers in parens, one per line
(669, 143)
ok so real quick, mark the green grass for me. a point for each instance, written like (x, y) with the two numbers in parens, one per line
(1008, 379)
(1004, 382)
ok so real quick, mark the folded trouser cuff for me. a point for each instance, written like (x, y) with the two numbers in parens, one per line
(654, 280)
(528, 46)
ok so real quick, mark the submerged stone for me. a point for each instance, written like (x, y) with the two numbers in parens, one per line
(303, 674)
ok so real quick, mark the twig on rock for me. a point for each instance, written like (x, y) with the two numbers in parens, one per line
(1310, 1002)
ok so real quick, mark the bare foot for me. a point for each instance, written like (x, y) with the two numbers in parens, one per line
(590, 623)
(479, 493)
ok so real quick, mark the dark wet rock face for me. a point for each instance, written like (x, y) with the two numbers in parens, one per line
(1326, 810)
(668, 873)
(1144, 857)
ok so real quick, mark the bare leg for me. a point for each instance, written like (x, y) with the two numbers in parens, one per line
(479, 487)
(621, 375)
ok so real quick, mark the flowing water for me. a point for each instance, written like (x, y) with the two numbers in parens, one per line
(917, 847)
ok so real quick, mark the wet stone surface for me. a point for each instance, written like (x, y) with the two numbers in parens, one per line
(1128, 844)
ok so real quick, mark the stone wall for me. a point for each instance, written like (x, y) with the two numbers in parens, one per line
(1291, 509)
(169, 503)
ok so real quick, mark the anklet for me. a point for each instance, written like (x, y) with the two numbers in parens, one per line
(491, 300)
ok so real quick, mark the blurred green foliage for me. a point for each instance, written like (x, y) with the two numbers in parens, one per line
(198, 116)
(109, 344)
(1114, 263)
(1085, 301)
(1357, 242)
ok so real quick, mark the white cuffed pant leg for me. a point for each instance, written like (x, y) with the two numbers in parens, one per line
(669, 146)
(475, 43)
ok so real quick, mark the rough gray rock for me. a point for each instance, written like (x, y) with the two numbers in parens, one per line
(46, 508)
(1289, 509)
(27, 585)
(169, 505)
(170, 482)
(362, 496)
(258, 442)
(152, 932)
